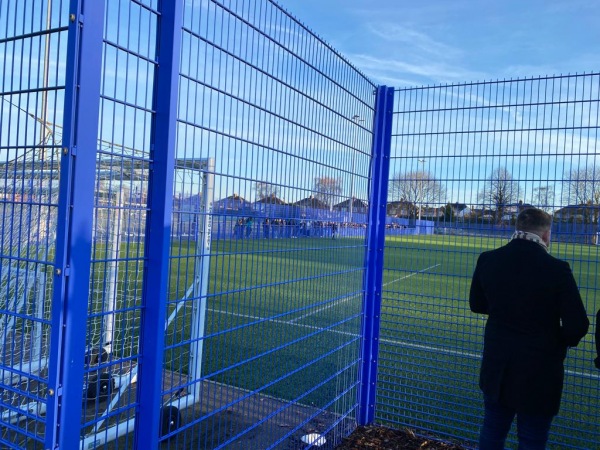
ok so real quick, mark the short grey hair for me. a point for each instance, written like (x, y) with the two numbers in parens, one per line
(534, 220)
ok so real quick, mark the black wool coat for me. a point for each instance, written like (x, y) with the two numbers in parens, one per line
(534, 314)
(597, 360)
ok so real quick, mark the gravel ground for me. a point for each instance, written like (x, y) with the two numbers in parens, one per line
(381, 438)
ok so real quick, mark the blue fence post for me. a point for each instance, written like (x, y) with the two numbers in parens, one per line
(380, 167)
(74, 231)
(158, 235)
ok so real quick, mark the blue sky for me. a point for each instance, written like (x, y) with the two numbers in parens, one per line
(405, 44)
(395, 43)
(401, 43)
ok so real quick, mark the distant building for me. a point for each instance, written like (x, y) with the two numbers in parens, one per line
(311, 202)
(432, 213)
(358, 206)
(270, 200)
(578, 213)
(400, 208)
(270, 206)
(485, 214)
(234, 204)
(512, 210)
(460, 210)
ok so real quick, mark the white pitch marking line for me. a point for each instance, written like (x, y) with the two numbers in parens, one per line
(589, 375)
(318, 310)
(477, 356)
(411, 275)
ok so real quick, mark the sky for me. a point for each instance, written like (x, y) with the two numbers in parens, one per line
(401, 44)
(393, 42)
(436, 42)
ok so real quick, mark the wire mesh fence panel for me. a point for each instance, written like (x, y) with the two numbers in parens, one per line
(268, 227)
(255, 248)
(118, 257)
(32, 46)
(466, 159)
(267, 251)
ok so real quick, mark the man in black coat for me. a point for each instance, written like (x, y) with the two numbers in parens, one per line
(534, 314)
(597, 360)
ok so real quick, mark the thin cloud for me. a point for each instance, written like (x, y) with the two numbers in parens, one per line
(416, 41)
(413, 72)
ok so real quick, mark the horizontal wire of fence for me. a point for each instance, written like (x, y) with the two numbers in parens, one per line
(267, 257)
(32, 48)
(229, 213)
(466, 159)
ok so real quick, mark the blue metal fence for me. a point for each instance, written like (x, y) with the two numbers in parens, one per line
(473, 155)
(218, 233)
(131, 308)
(33, 51)
(264, 343)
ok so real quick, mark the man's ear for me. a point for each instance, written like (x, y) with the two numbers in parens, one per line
(546, 237)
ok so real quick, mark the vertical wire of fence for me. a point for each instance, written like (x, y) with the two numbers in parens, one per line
(466, 159)
(32, 50)
(196, 254)
(269, 232)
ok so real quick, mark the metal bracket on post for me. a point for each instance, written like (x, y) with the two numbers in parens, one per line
(380, 154)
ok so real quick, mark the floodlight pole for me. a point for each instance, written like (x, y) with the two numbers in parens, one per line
(420, 200)
(356, 119)
(45, 75)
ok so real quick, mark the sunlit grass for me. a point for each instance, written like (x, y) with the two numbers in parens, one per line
(431, 342)
(284, 316)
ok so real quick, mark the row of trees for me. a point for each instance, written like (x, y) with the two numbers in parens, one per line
(500, 190)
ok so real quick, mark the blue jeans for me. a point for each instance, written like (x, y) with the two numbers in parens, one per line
(532, 430)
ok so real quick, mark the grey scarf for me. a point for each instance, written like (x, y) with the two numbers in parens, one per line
(529, 237)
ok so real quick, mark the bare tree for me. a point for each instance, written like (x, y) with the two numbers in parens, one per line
(327, 190)
(581, 186)
(417, 187)
(543, 197)
(499, 191)
(265, 190)
(578, 186)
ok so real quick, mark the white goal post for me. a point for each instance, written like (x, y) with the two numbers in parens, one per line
(202, 168)
(25, 303)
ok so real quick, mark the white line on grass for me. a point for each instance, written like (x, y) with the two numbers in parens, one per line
(411, 275)
(432, 348)
(338, 302)
(318, 310)
(589, 375)
(293, 322)
(284, 322)
(476, 356)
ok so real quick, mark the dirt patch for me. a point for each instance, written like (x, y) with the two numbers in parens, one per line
(381, 438)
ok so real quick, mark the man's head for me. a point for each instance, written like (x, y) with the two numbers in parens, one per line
(533, 220)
